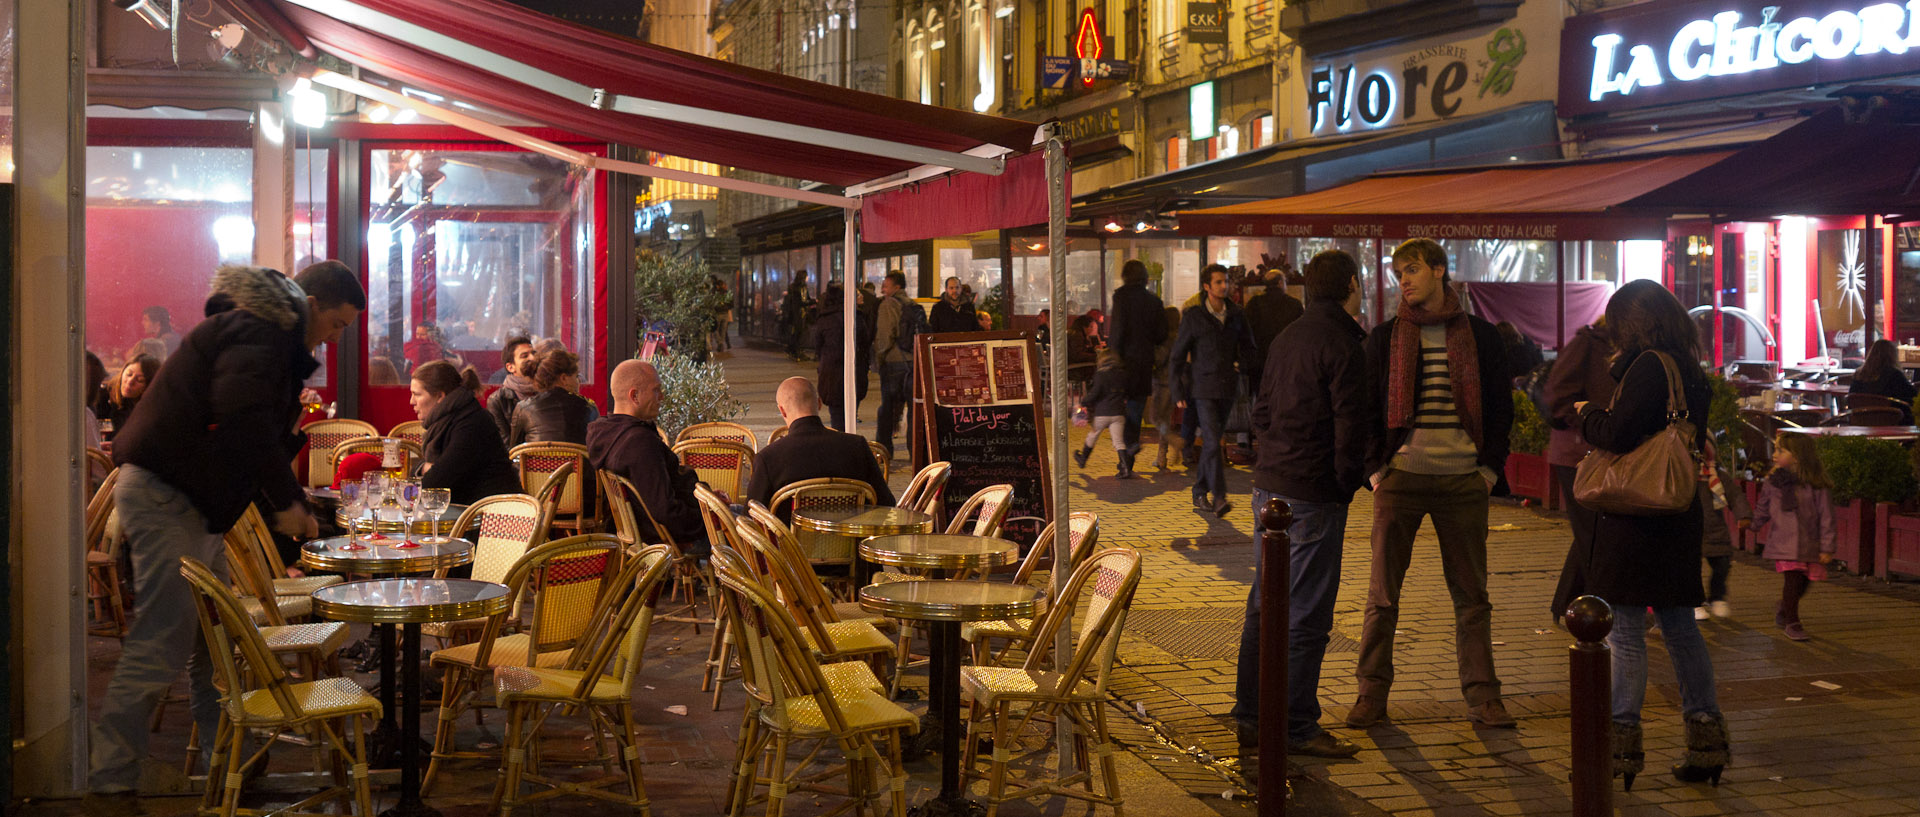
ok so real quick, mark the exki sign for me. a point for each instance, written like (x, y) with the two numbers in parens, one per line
(1663, 53)
(1435, 82)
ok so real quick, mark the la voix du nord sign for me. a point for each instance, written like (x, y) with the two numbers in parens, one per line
(1662, 53)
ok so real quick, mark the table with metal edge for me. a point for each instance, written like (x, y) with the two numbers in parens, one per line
(943, 604)
(384, 560)
(1897, 433)
(880, 521)
(410, 603)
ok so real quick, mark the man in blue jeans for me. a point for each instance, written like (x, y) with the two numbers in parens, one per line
(1312, 418)
(896, 320)
(1212, 346)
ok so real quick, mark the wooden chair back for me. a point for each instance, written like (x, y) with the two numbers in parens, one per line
(880, 456)
(537, 462)
(1111, 576)
(230, 632)
(825, 492)
(924, 490)
(621, 620)
(509, 526)
(411, 454)
(1083, 534)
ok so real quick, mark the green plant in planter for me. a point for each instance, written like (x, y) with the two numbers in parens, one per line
(1722, 412)
(693, 392)
(677, 292)
(1529, 434)
(1860, 468)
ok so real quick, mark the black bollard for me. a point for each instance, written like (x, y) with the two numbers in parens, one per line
(1276, 561)
(1590, 687)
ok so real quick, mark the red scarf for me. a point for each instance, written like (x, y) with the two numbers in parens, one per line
(1463, 364)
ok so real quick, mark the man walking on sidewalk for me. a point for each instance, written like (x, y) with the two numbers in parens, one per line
(1139, 325)
(1440, 382)
(1312, 417)
(1212, 345)
(900, 318)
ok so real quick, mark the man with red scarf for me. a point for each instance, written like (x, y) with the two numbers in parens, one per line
(1439, 450)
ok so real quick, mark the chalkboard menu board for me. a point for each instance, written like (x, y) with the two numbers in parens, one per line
(978, 409)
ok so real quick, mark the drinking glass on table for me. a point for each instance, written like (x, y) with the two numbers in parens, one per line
(433, 503)
(373, 491)
(409, 495)
(352, 503)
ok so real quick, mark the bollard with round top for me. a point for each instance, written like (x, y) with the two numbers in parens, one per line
(1276, 560)
(1590, 688)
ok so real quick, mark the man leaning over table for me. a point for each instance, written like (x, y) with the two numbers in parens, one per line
(214, 431)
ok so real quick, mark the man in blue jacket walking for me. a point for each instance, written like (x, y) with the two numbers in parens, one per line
(1214, 342)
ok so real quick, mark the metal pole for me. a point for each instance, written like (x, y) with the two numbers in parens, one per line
(1276, 568)
(1590, 686)
(849, 298)
(1058, 424)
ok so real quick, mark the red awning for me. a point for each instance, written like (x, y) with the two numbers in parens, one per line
(1823, 165)
(627, 67)
(1571, 201)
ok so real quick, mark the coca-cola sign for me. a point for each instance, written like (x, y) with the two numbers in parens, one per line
(1663, 53)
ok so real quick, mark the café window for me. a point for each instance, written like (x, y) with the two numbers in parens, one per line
(466, 248)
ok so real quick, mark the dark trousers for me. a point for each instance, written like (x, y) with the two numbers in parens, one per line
(896, 390)
(1315, 540)
(1211, 475)
(1136, 409)
(1457, 504)
(1573, 574)
(1717, 575)
(839, 412)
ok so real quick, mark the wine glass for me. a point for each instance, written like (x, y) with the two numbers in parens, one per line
(374, 492)
(433, 503)
(352, 503)
(409, 496)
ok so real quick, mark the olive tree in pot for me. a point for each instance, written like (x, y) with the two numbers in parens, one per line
(693, 392)
(676, 296)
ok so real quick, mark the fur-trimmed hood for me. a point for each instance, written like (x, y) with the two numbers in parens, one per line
(265, 293)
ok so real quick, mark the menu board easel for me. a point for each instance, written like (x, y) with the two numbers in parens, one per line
(977, 405)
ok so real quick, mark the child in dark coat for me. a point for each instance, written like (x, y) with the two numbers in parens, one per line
(1106, 402)
(1719, 499)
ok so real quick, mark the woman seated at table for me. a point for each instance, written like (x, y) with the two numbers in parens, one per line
(556, 414)
(115, 403)
(462, 451)
(1880, 375)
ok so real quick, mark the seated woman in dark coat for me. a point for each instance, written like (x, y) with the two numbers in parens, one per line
(556, 414)
(115, 402)
(1880, 375)
(462, 451)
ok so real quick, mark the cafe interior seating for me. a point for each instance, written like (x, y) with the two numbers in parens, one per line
(1008, 700)
(322, 437)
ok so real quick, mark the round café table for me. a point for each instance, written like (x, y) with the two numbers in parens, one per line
(943, 604)
(941, 555)
(859, 523)
(375, 559)
(410, 603)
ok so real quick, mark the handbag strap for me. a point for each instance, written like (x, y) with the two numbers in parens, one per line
(1676, 390)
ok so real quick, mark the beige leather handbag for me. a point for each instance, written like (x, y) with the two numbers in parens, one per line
(1658, 477)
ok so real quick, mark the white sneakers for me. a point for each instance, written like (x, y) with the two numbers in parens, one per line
(1700, 613)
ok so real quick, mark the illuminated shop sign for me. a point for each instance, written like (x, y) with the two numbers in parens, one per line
(1663, 53)
(1433, 82)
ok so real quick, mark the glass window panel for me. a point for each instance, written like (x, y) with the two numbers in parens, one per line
(1844, 290)
(470, 248)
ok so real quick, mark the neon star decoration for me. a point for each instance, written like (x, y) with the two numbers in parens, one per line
(1852, 279)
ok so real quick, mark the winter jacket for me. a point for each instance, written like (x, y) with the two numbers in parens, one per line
(1496, 400)
(1644, 560)
(217, 421)
(501, 403)
(1139, 325)
(1269, 314)
(105, 409)
(828, 334)
(1782, 532)
(947, 316)
(886, 332)
(1895, 387)
(1583, 371)
(552, 416)
(1716, 536)
(1210, 352)
(467, 456)
(1312, 415)
(1106, 396)
(810, 450)
(632, 448)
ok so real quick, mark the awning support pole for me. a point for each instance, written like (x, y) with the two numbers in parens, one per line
(849, 319)
(1059, 424)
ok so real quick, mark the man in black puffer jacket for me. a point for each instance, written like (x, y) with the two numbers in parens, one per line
(213, 432)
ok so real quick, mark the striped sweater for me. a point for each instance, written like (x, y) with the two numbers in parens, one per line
(1439, 443)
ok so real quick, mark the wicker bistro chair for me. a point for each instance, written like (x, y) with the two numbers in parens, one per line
(322, 437)
(314, 646)
(825, 549)
(690, 581)
(411, 454)
(730, 432)
(1083, 535)
(925, 489)
(983, 513)
(412, 431)
(509, 526)
(597, 679)
(251, 529)
(106, 587)
(99, 465)
(1045, 686)
(724, 465)
(565, 579)
(573, 510)
(812, 593)
(830, 639)
(263, 698)
(723, 529)
(880, 456)
(795, 698)
(776, 435)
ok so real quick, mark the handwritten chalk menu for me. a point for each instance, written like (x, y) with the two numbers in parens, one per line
(983, 418)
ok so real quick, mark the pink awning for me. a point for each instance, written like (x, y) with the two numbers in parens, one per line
(960, 203)
(628, 67)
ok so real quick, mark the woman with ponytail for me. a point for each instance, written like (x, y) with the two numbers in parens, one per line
(463, 449)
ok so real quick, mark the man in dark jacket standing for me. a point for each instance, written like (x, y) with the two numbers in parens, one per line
(213, 432)
(810, 450)
(1212, 345)
(628, 443)
(954, 311)
(1268, 314)
(829, 333)
(1139, 325)
(895, 364)
(1440, 387)
(1311, 415)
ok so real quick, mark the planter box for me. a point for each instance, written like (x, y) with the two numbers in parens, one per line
(1749, 539)
(1528, 475)
(1899, 540)
(1854, 526)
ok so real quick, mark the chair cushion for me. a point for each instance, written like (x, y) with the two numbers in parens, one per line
(508, 651)
(864, 711)
(989, 685)
(324, 637)
(849, 638)
(325, 698)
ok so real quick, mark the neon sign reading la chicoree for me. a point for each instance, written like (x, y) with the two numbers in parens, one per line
(1731, 43)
